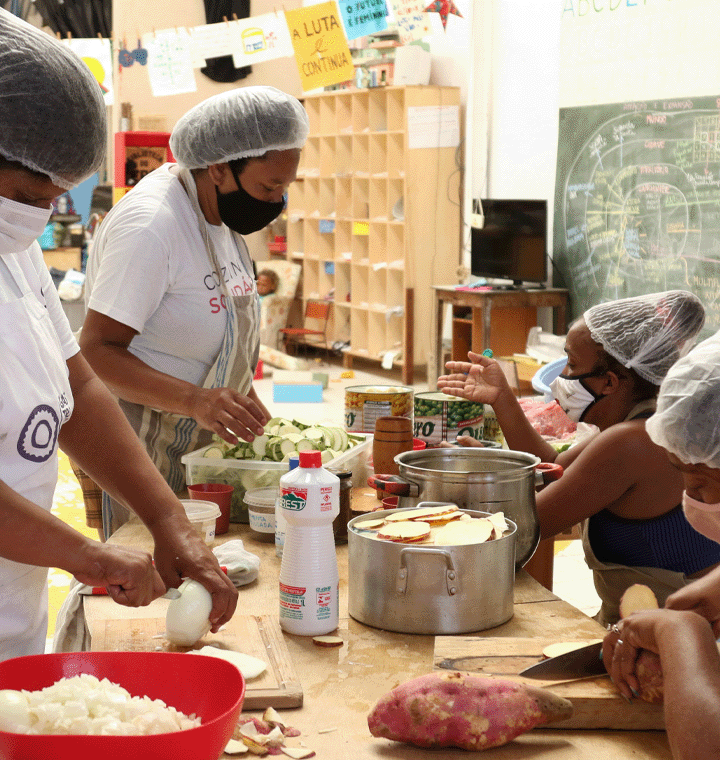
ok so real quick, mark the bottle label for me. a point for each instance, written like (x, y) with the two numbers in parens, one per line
(292, 601)
(295, 499)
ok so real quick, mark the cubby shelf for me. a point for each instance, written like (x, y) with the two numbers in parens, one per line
(375, 222)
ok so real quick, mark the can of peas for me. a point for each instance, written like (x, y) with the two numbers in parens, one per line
(439, 417)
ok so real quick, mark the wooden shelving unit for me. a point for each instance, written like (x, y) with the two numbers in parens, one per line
(356, 173)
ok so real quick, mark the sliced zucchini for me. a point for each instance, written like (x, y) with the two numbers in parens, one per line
(214, 452)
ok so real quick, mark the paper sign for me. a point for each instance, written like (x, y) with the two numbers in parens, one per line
(210, 41)
(362, 17)
(170, 62)
(321, 50)
(433, 126)
(413, 22)
(96, 54)
(261, 38)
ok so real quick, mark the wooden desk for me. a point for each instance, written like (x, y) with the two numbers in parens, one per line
(341, 685)
(481, 303)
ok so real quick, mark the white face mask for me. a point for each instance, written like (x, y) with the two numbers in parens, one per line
(20, 225)
(574, 398)
(705, 518)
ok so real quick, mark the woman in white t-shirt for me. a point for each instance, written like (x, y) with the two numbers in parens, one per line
(52, 136)
(173, 312)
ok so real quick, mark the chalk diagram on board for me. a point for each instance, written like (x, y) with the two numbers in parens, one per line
(637, 207)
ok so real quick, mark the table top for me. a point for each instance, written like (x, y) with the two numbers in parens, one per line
(342, 684)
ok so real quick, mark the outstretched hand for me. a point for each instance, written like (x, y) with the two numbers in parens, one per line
(481, 380)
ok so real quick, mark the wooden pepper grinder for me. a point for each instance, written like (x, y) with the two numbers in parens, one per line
(393, 435)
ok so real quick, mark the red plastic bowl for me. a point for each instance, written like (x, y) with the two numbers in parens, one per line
(211, 688)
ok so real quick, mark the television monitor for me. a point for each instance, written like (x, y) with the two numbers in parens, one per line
(512, 243)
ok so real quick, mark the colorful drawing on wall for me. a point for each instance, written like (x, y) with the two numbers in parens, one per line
(362, 17)
(126, 57)
(211, 41)
(321, 50)
(445, 8)
(97, 56)
(170, 62)
(261, 38)
(413, 22)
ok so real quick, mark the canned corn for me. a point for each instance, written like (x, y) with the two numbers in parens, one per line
(365, 403)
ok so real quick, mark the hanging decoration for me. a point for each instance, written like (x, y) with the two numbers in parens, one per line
(321, 49)
(445, 8)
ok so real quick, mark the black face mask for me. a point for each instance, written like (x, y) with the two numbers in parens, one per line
(244, 214)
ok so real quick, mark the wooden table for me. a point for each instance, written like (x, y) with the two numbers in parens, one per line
(341, 685)
(481, 303)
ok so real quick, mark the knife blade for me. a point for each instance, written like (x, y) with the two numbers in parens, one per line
(578, 663)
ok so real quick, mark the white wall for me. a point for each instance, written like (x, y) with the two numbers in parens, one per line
(512, 114)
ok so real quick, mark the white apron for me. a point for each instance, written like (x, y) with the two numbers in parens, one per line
(36, 400)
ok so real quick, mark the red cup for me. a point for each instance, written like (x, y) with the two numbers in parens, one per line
(219, 493)
(419, 445)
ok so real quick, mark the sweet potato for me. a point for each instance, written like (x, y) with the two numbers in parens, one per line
(636, 598)
(648, 669)
(650, 676)
(451, 709)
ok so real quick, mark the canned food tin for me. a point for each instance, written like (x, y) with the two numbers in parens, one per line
(365, 403)
(439, 417)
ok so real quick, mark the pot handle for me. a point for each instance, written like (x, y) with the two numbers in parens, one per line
(393, 484)
(451, 578)
(548, 472)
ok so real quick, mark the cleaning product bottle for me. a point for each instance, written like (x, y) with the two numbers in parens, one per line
(280, 523)
(309, 580)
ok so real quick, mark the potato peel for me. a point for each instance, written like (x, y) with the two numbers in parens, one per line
(235, 747)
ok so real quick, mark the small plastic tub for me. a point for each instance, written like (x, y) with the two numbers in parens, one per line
(261, 511)
(203, 516)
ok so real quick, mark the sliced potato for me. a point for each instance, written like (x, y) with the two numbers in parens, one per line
(636, 598)
(425, 513)
(499, 523)
(328, 641)
(562, 647)
(370, 524)
(234, 747)
(405, 532)
(456, 533)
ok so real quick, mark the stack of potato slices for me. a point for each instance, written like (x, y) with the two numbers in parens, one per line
(443, 525)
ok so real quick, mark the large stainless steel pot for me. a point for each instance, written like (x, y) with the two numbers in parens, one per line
(492, 480)
(430, 589)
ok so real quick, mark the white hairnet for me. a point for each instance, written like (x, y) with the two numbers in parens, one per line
(687, 421)
(647, 334)
(240, 123)
(52, 114)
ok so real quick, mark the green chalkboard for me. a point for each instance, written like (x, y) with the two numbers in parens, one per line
(637, 201)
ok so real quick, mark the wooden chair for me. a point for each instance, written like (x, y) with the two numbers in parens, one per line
(314, 329)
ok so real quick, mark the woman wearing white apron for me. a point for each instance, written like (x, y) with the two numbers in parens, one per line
(172, 322)
(49, 106)
(687, 426)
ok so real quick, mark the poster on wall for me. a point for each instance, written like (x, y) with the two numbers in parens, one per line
(363, 17)
(97, 56)
(210, 41)
(170, 62)
(261, 38)
(637, 201)
(413, 23)
(321, 49)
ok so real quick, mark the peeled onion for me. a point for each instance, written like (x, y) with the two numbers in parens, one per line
(187, 619)
(14, 712)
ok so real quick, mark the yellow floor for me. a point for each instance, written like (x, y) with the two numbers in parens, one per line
(68, 506)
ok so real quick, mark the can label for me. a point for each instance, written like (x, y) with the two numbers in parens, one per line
(364, 404)
(441, 418)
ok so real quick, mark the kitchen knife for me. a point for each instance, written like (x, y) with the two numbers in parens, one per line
(578, 663)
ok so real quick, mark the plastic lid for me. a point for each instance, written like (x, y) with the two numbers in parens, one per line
(310, 459)
(198, 510)
(261, 497)
(293, 462)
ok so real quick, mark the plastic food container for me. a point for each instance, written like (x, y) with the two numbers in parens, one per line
(203, 516)
(261, 512)
(246, 475)
(545, 375)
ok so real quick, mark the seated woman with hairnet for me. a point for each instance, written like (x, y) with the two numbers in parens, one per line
(687, 426)
(617, 484)
(52, 137)
(173, 313)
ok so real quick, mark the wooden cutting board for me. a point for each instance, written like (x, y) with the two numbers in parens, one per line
(596, 702)
(259, 636)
